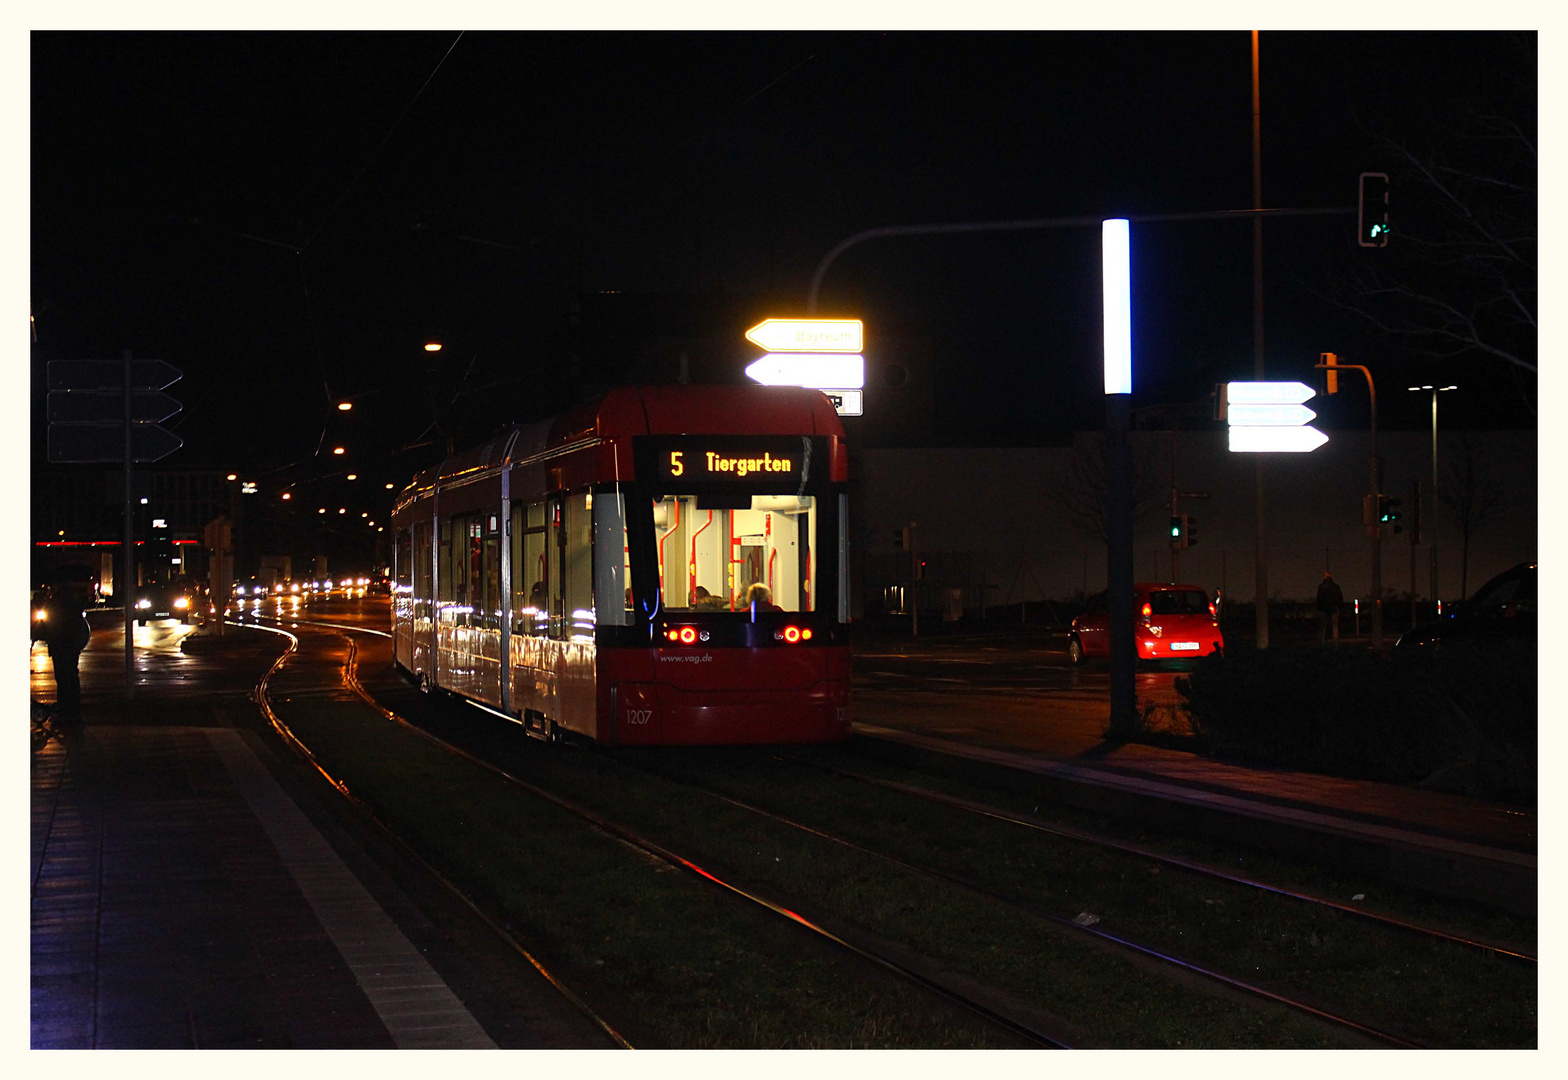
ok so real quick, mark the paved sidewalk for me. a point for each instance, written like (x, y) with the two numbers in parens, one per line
(182, 899)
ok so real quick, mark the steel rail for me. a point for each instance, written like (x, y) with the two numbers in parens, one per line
(293, 740)
(1057, 920)
(672, 858)
(1069, 833)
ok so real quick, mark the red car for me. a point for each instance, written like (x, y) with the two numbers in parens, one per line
(1170, 622)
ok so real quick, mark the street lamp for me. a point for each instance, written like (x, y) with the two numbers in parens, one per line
(1432, 501)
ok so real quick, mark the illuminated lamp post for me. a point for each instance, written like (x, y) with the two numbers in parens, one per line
(1432, 498)
(1116, 283)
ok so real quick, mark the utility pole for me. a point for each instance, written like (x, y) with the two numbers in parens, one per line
(1260, 551)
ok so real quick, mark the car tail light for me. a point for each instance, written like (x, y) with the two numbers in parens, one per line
(793, 634)
(1213, 614)
(685, 635)
(1148, 610)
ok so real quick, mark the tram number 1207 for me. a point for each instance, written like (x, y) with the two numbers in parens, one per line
(638, 716)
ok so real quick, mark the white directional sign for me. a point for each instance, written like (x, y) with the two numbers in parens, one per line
(1269, 417)
(1268, 393)
(809, 335)
(847, 402)
(1290, 440)
(820, 371)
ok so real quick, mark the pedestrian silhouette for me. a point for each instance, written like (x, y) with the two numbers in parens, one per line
(65, 631)
(1330, 598)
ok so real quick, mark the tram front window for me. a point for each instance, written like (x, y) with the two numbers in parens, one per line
(710, 559)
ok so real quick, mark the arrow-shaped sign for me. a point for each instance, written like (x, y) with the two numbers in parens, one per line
(808, 335)
(78, 406)
(1290, 440)
(1268, 393)
(110, 374)
(830, 371)
(106, 442)
(1269, 415)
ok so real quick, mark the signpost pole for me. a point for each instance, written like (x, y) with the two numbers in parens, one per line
(128, 591)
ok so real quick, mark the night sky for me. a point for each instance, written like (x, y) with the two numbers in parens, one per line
(288, 217)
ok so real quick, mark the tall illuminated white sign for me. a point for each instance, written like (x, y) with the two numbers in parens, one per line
(1116, 276)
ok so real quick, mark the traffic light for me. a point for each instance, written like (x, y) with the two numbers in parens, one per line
(1372, 221)
(1330, 364)
(1189, 529)
(1176, 543)
(1388, 514)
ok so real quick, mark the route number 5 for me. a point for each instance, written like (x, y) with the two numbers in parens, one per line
(677, 467)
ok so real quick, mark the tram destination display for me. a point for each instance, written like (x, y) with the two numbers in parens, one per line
(775, 462)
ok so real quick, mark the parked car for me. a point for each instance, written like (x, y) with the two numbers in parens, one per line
(1170, 622)
(1503, 608)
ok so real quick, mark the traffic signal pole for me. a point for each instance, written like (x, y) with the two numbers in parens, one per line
(128, 593)
(1374, 527)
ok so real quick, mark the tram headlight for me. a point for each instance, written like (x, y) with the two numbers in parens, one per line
(181, 603)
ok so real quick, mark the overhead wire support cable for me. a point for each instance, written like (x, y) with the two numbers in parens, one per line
(384, 140)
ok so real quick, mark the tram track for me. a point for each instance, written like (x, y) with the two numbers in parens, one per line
(1505, 952)
(1356, 1031)
(1138, 949)
(509, 940)
(1014, 1027)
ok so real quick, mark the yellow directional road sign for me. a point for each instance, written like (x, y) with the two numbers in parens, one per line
(808, 335)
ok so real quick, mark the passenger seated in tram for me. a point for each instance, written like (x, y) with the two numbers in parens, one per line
(702, 600)
(760, 595)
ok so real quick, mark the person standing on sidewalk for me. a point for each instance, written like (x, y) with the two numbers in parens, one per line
(1329, 600)
(66, 632)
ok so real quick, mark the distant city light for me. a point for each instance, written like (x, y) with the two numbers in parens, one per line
(323, 510)
(364, 513)
(248, 487)
(433, 346)
(353, 476)
(389, 487)
(345, 406)
(342, 509)
(337, 450)
(144, 502)
(286, 495)
(232, 476)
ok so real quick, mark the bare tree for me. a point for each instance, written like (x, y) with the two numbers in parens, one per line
(1079, 488)
(1458, 278)
(1472, 493)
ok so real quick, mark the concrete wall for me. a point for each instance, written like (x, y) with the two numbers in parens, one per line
(989, 514)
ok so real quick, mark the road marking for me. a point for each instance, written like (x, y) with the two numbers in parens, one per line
(416, 1006)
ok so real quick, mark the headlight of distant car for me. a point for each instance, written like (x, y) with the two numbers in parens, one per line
(144, 603)
(181, 603)
(42, 614)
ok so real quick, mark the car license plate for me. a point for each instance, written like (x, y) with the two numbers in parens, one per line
(1184, 646)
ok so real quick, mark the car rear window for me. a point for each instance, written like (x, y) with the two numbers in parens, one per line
(1178, 602)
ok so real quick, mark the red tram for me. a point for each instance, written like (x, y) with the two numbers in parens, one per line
(664, 565)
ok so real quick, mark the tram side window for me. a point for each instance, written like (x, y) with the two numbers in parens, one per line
(528, 571)
(578, 576)
(403, 561)
(492, 573)
(473, 603)
(444, 580)
(421, 563)
(612, 577)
